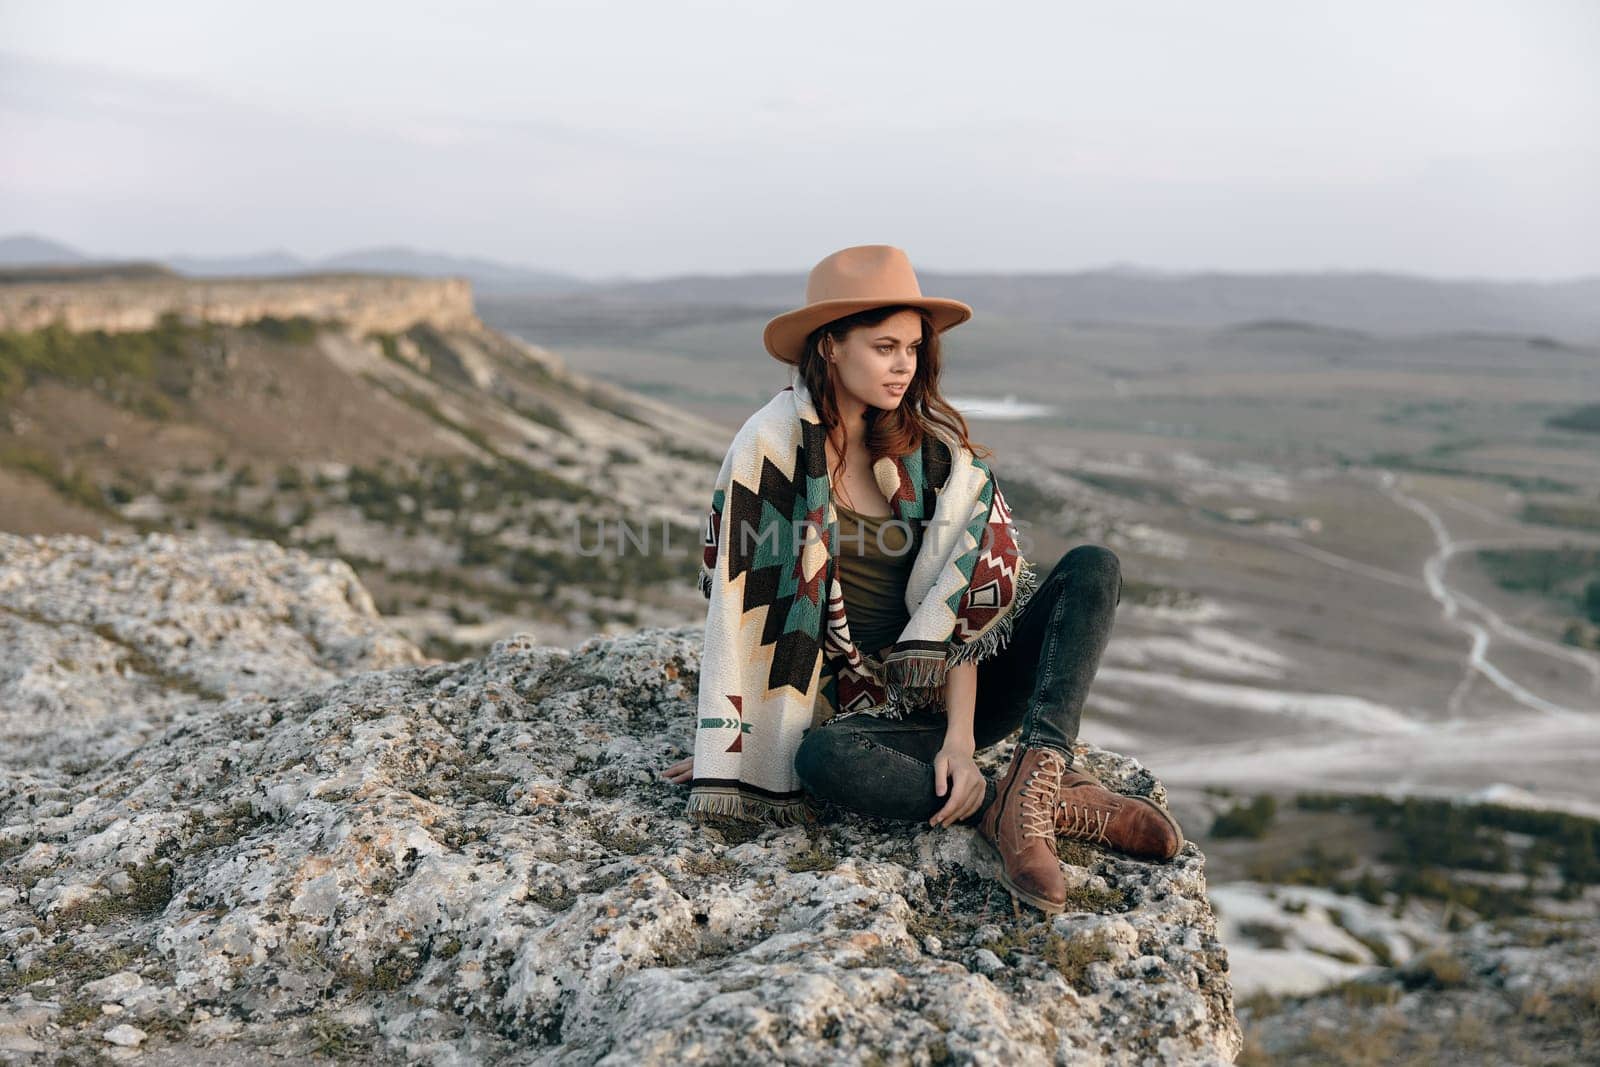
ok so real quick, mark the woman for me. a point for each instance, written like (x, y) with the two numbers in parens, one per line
(867, 348)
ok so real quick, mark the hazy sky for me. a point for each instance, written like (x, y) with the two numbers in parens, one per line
(1456, 138)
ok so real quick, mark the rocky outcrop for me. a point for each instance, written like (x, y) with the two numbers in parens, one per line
(385, 303)
(263, 819)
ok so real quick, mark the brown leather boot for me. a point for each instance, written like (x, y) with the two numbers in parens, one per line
(1085, 810)
(1018, 826)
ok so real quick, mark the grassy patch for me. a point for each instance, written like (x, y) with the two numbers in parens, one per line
(486, 785)
(1585, 419)
(1075, 853)
(732, 831)
(71, 483)
(136, 659)
(966, 900)
(552, 896)
(294, 330)
(149, 890)
(622, 838)
(391, 971)
(335, 1039)
(1433, 836)
(543, 414)
(1073, 956)
(1093, 898)
(389, 344)
(388, 495)
(1436, 969)
(1554, 572)
(1265, 934)
(703, 865)
(816, 857)
(1251, 819)
(75, 1012)
(421, 402)
(214, 831)
(92, 358)
(1576, 514)
(69, 965)
(600, 398)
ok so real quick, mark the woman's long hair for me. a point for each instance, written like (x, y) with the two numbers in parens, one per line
(902, 429)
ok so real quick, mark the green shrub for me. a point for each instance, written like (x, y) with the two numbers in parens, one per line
(1265, 934)
(1250, 819)
(294, 330)
(71, 483)
(1436, 969)
(1539, 570)
(141, 370)
(1584, 420)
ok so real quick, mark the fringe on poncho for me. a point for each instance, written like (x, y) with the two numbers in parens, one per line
(778, 658)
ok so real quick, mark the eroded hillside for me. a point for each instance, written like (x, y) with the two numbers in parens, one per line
(468, 476)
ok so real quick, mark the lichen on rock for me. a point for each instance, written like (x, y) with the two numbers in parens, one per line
(480, 862)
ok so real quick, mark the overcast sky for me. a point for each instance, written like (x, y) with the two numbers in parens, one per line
(1454, 138)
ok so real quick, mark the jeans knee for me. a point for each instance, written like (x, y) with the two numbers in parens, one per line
(1095, 567)
(815, 753)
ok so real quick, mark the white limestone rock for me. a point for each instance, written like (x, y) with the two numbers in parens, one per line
(480, 862)
(126, 1035)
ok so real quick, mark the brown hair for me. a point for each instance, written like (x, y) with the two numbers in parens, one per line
(902, 429)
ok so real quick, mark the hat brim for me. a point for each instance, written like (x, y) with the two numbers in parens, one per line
(786, 335)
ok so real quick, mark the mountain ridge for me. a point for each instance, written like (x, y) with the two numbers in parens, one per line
(1371, 300)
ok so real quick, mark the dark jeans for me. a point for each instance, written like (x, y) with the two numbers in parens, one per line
(1039, 681)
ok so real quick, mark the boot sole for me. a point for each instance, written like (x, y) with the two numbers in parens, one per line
(1047, 906)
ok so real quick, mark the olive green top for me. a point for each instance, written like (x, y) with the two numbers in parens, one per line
(872, 576)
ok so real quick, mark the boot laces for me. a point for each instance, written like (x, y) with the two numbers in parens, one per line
(1039, 793)
(1082, 821)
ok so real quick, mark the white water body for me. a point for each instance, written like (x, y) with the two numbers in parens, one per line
(1006, 407)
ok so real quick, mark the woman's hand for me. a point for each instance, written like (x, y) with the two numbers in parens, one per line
(680, 773)
(955, 774)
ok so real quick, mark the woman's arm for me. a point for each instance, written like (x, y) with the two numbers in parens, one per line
(954, 772)
(960, 696)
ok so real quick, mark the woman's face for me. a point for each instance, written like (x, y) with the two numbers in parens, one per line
(875, 364)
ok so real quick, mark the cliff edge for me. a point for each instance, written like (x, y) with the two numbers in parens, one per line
(236, 810)
(364, 302)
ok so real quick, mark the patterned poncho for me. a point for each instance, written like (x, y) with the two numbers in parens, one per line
(778, 658)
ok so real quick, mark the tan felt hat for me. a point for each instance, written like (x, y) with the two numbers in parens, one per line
(850, 280)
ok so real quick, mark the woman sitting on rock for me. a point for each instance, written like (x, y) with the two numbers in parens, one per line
(872, 621)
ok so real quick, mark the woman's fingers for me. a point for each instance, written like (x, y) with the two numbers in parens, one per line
(976, 800)
(971, 798)
(966, 796)
(680, 772)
